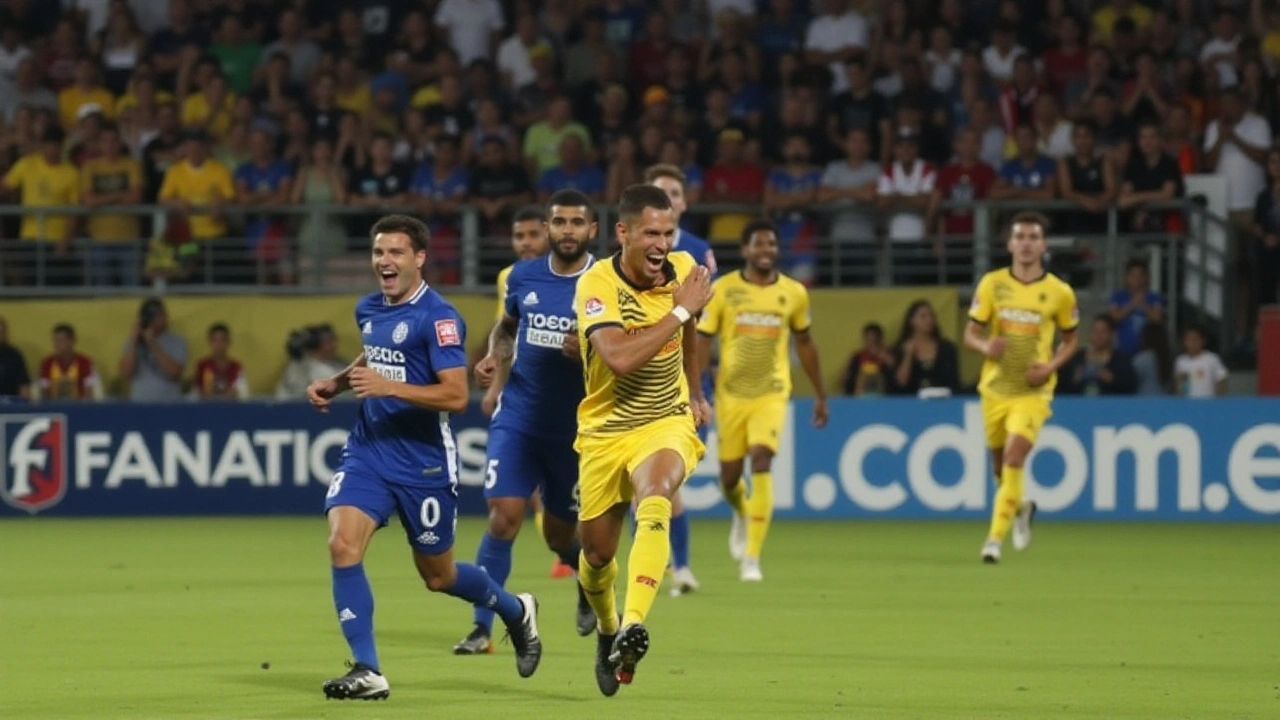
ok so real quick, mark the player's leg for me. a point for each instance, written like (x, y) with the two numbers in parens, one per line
(1022, 425)
(731, 426)
(357, 504)
(603, 496)
(995, 412)
(559, 489)
(764, 426)
(430, 518)
(683, 581)
(1030, 415)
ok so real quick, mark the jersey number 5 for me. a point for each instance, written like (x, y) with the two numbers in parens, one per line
(491, 475)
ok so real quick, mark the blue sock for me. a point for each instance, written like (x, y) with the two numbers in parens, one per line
(493, 557)
(353, 599)
(476, 587)
(680, 541)
(570, 558)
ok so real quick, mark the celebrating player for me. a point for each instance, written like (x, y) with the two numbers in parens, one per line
(755, 312)
(1016, 313)
(637, 425)
(531, 436)
(672, 181)
(401, 457)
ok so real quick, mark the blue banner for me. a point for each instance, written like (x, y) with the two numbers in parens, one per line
(1122, 459)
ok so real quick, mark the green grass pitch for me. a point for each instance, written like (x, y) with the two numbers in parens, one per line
(880, 620)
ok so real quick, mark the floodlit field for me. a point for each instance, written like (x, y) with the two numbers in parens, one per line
(232, 619)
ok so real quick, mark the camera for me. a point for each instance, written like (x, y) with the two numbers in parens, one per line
(147, 314)
(305, 340)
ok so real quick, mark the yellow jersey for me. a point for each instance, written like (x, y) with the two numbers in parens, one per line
(44, 185)
(198, 185)
(196, 111)
(111, 176)
(71, 99)
(1028, 316)
(501, 284)
(755, 323)
(658, 389)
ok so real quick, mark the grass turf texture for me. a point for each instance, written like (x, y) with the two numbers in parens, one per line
(175, 619)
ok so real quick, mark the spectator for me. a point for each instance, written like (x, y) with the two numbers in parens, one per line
(573, 172)
(199, 181)
(303, 54)
(237, 54)
(1002, 54)
(161, 151)
(716, 119)
(1105, 17)
(351, 43)
(67, 374)
(113, 178)
(441, 186)
(1030, 175)
(1087, 179)
(543, 140)
(1052, 128)
(378, 184)
(1018, 99)
(45, 180)
(856, 181)
(471, 27)
(415, 55)
(450, 116)
(25, 92)
(1097, 78)
(922, 357)
(14, 380)
(211, 108)
(498, 186)
(265, 183)
(791, 189)
(1199, 371)
(1180, 141)
(1153, 365)
(1099, 368)
(580, 59)
(867, 372)
(351, 88)
(1152, 176)
(153, 358)
(589, 96)
(1114, 131)
(795, 116)
(1221, 55)
(942, 60)
(623, 21)
(218, 376)
(12, 52)
(961, 183)
(1145, 94)
(59, 58)
(1133, 307)
(1067, 61)
(313, 356)
(991, 137)
(178, 44)
(513, 54)
(780, 32)
(838, 34)
(1235, 148)
(84, 92)
(120, 48)
(320, 181)
(624, 168)
(732, 179)
(273, 93)
(746, 99)
(610, 121)
(1266, 224)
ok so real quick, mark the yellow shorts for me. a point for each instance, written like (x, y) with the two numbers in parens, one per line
(605, 463)
(742, 424)
(1023, 415)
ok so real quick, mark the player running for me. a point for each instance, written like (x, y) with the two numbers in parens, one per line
(637, 425)
(671, 180)
(755, 312)
(531, 436)
(401, 457)
(528, 240)
(1015, 314)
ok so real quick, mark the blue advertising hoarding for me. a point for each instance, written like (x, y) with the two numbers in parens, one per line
(1121, 459)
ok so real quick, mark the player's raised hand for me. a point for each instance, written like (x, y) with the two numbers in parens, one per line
(320, 392)
(701, 412)
(485, 370)
(820, 415)
(367, 383)
(572, 349)
(996, 347)
(695, 292)
(1038, 374)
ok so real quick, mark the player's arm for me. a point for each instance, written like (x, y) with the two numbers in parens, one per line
(981, 312)
(693, 363)
(706, 342)
(342, 381)
(623, 354)
(601, 321)
(708, 329)
(807, 351)
(449, 395)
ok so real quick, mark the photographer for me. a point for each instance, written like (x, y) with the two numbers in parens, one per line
(153, 358)
(313, 355)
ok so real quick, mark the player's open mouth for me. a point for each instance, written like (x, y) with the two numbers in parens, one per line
(654, 261)
(388, 275)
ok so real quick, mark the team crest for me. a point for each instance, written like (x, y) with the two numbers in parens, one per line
(33, 461)
(400, 333)
(594, 307)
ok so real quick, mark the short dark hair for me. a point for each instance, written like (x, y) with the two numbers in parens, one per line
(1136, 264)
(1106, 319)
(570, 198)
(1028, 217)
(448, 139)
(665, 170)
(218, 327)
(419, 234)
(756, 226)
(638, 198)
(65, 329)
(875, 328)
(527, 213)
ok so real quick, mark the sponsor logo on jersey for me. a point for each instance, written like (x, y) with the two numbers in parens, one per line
(367, 329)
(548, 331)
(1020, 316)
(33, 471)
(531, 298)
(594, 307)
(447, 333)
(374, 353)
(400, 333)
(767, 320)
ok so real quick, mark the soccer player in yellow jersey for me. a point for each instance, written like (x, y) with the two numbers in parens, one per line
(1016, 314)
(755, 312)
(637, 424)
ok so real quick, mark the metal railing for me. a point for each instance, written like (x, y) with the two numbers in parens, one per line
(323, 248)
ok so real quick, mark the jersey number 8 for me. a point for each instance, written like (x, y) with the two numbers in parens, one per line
(335, 485)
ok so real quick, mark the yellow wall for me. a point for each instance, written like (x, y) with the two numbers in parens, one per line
(260, 325)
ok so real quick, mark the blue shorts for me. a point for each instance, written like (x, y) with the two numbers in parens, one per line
(429, 514)
(519, 464)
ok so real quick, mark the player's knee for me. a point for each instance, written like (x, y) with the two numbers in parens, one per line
(440, 580)
(761, 459)
(343, 551)
(503, 523)
(597, 557)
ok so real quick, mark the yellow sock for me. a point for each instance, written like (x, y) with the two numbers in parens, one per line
(1008, 499)
(597, 584)
(649, 554)
(537, 521)
(759, 512)
(737, 497)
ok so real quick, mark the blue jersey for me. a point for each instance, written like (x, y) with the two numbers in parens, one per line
(544, 388)
(697, 247)
(410, 342)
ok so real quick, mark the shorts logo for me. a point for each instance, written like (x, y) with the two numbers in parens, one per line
(428, 538)
(594, 307)
(33, 461)
(447, 333)
(400, 333)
